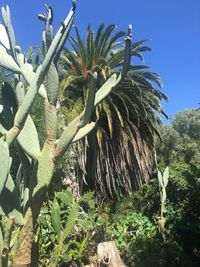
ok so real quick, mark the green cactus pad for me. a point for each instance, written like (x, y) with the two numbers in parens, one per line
(27, 70)
(51, 120)
(4, 163)
(28, 139)
(45, 169)
(67, 137)
(106, 88)
(9, 29)
(9, 103)
(51, 84)
(7, 61)
(20, 93)
(2, 130)
(10, 201)
(164, 196)
(160, 179)
(84, 131)
(166, 176)
(90, 100)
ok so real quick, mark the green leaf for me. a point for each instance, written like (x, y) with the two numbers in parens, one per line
(68, 228)
(73, 215)
(67, 257)
(55, 217)
(91, 204)
(4, 163)
(87, 197)
(65, 197)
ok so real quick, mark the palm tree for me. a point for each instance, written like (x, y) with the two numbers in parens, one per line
(117, 155)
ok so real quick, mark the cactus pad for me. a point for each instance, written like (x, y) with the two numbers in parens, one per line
(4, 163)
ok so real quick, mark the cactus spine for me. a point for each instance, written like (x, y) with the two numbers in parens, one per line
(21, 198)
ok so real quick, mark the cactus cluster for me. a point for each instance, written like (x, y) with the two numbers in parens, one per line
(21, 197)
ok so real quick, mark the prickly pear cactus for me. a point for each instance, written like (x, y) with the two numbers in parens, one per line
(21, 197)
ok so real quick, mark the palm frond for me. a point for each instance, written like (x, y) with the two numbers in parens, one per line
(104, 39)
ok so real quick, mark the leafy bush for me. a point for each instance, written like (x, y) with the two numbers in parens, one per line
(137, 238)
(67, 227)
(155, 252)
(130, 228)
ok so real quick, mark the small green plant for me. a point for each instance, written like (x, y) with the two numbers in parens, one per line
(163, 182)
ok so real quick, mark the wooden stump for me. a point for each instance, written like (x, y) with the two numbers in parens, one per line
(108, 255)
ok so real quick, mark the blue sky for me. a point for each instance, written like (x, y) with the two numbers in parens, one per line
(173, 26)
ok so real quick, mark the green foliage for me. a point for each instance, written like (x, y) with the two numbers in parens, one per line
(137, 238)
(182, 220)
(66, 228)
(182, 197)
(154, 252)
(181, 140)
(133, 226)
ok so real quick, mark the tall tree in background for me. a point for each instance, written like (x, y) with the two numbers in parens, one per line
(117, 155)
(181, 139)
